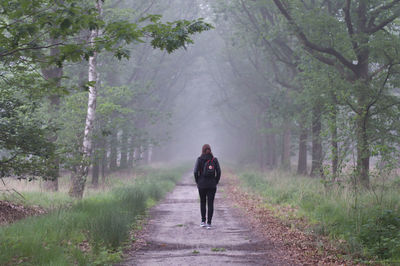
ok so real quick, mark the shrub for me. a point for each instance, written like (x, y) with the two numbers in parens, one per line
(381, 235)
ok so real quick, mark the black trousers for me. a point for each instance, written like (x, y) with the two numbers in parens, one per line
(207, 195)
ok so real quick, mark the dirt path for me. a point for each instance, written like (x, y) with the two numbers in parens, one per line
(174, 236)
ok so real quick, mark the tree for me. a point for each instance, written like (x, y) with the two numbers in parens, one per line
(25, 150)
(40, 36)
(351, 47)
(170, 37)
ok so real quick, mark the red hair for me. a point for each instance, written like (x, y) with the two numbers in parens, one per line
(205, 148)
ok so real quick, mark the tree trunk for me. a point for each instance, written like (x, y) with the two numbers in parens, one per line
(136, 155)
(96, 159)
(141, 154)
(270, 148)
(286, 146)
(316, 166)
(131, 159)
(124, 150)
(104, 162)
(80, 174)
(272, 151)
(259, 147)
(113, 151)
(149, 153)
(53, 74)
(302, 162)
(334, 144)
(145, 154)
(258, 143)
(362, 117)
(363, 153)
(96, 172)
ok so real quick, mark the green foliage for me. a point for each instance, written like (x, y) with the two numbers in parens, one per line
(91, 231)
(218, 249)
(288, 80)
(22, 23)
(43, 35)
(381, 234)
(370, 225)
(114, 107)
(173, 35)
(24, 148)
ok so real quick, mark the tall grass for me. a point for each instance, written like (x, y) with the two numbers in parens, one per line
(91, 231)
(369, 220)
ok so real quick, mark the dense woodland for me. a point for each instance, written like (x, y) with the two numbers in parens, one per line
(83, 86)
(308, 89)
(315, 73)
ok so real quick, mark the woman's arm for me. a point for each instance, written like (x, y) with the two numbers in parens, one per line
(196, 170)
(217, 170)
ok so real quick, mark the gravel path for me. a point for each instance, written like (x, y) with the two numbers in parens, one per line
(174, 236)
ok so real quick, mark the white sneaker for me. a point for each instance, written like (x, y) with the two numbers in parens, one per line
(203, 224)
(209, 226)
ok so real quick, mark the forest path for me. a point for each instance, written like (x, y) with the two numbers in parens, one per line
(174, 236)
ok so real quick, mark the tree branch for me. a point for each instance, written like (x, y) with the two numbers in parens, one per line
(374, 14)
(306, 42)
(381, 88)
(384, 23)
(349, 24)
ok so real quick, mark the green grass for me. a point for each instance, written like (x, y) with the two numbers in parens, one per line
(218, 249)
(90, 232)
(47, 200)
(369, 220)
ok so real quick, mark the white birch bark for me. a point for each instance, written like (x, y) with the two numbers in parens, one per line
(80, 175)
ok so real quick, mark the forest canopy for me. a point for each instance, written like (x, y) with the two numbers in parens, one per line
(40, 41)
(324, 71)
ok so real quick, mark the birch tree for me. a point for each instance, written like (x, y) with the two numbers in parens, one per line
(79, 176)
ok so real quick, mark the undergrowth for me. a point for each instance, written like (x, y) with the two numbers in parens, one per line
(369, 220)
(91, 231)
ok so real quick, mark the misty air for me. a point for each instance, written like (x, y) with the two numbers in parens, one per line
(199, 132)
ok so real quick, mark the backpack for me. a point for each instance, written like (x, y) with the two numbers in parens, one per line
(209, 169)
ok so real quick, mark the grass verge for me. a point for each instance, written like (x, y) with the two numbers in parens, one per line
(369, 221)
(90, 232)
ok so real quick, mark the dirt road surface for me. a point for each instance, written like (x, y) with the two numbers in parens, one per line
(174, 236)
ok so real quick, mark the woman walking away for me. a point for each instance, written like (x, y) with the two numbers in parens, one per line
(207, 174)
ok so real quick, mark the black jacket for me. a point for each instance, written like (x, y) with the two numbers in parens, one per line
(198, 176)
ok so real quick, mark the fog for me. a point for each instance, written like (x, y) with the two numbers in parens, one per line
(105, 106)
(263, 86)
(196, 118)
